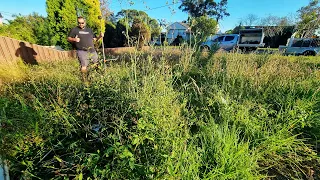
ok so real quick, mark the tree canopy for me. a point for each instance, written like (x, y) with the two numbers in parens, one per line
(198, 8)
(31, 28)
(131, 15)
(205, 26)
(309, 19)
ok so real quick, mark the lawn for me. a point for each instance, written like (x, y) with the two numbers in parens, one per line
(167, 115)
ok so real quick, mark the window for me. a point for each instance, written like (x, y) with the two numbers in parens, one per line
(306, 43)
(219, 39)
(315, 43)
(297, 43)
(229, 38)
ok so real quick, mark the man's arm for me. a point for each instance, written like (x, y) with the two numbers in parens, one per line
(73, 37)
(98, 38)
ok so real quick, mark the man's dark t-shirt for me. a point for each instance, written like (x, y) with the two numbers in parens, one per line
(86, 38)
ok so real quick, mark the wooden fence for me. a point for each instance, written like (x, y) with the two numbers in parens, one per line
(11, 50)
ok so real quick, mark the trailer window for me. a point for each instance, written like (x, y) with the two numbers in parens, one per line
(297, 43)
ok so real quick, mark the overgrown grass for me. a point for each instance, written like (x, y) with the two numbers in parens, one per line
(187, 116)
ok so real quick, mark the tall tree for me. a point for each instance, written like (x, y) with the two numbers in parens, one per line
(91, 11)
(250, 20)
(61, 17)
(154, 27)
(131, 15)
(109, 36)
(309, 19)
(275, 25)
(140, 33)
(205, 26)
(31, 28)
(104, 7)
(197, 8)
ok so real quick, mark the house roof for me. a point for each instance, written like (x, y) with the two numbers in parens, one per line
(185, 25)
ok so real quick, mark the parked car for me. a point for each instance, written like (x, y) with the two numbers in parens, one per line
(226, 42)
(301, 46)
(247, 39)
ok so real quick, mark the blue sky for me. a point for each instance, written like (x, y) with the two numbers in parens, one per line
(166, 9)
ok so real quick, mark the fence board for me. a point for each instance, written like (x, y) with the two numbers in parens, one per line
(4, 50)
(39, 55)
(43, 54)
(56, 55)
(12, 49)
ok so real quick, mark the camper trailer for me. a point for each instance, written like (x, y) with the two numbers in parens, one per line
(250, 39)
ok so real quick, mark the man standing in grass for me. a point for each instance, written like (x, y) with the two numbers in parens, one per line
(82, 39)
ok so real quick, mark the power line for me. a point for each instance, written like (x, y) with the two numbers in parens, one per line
(149, 9)
(161, 6)
(4, 12)
(140, 2)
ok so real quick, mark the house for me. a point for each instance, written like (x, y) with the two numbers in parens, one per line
(178, 29)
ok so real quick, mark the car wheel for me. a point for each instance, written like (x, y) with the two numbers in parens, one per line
(205, 48)
(309, 53)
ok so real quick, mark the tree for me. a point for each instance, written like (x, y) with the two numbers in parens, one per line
(275, 25)
(61, 17)
(220, 10)
(19, 29)
(198, 8)
(31, 28)
(309, 19)
(91, 12)
(104, 7)
(120, 38)
(109, 36)
(131, 15)
(140, 33)
(236, 30)
(40, 28)
(204, 26)
(154, 28)
(250, 20)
